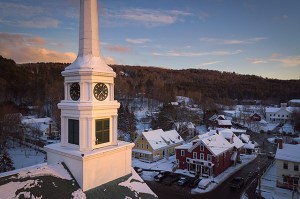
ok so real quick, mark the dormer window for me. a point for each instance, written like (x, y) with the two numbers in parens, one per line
(201, 147)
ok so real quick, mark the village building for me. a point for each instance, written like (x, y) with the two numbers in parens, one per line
(287, 161)
(156, 144)
(211, 153)
(294, 102)
(255, 117)
(281, 115)
(39, 127)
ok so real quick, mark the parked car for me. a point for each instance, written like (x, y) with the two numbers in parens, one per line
(138, 170)
(237, 182)
(194, 182)
(182, 181)
(271, 155)
(171, 178)
(204, 183)
(161, 175)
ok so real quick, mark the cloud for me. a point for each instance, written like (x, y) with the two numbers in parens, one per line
(209, 63)
(232, 41)
(42, 23)
(17, 9)
(284, 60)
(118, 48)
(147, 17)
(25, 49)
(197, 54)
(138, 40)
(110, 60)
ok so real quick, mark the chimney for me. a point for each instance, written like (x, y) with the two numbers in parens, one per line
(280, 143)
(283, 105)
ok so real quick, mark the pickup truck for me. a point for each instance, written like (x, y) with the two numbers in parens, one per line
(237, 182)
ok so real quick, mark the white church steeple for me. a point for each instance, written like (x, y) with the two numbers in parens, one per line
(89, 145)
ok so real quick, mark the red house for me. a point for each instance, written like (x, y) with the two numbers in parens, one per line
(210, 154)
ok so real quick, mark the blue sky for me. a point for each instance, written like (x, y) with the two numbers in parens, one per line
(259, 37)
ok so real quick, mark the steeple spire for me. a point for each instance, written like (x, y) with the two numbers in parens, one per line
(89, 57)
(88, 29)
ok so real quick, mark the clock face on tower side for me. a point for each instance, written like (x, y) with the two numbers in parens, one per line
(100, 91)
(75, 91)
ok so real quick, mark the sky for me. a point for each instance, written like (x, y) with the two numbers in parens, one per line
(259, 37)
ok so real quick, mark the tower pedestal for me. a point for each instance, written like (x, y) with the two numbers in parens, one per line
(93, 168)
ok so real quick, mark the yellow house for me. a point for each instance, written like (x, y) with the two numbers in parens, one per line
(154, 145)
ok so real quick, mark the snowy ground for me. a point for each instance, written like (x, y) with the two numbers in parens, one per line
(167, 165)
(25, 156)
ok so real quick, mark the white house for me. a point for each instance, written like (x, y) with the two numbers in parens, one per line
(40, 125)
(287, 165)
(279, 115)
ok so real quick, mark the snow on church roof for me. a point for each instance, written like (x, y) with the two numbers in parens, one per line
(159, 138)
(289, 152)
(40, 181)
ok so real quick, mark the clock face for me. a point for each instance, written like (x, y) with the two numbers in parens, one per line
(75, 91)
(100, 91)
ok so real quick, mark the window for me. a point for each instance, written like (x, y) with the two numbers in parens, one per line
(296, 181)
(137, 145)
(142, 146)
(202, 156)
(102, 131)
(147, 146)
(142, 138)
(201, 147)
(296, 167)
(177, 161)
(270, 114)
(182, 152)
(285, 180)
(209, 157)
(194, 155)
(285, 165)
(73, 131)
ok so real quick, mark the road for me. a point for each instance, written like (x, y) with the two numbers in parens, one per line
(223, 191)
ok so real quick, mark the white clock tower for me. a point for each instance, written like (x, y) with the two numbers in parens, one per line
(89, 145)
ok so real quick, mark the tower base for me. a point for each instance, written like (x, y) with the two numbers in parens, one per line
(93, 168)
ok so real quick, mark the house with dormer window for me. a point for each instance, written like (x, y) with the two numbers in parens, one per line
(210, 154)
(154, 145)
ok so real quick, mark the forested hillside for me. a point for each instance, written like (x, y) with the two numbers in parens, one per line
(40, 83)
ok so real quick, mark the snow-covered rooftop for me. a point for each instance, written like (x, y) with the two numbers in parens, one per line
(289, 152)
(160, 139)
(217, 144)
(224, 122)
(40, 181)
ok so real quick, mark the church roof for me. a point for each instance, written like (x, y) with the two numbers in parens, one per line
(56, 181)
(40, 181)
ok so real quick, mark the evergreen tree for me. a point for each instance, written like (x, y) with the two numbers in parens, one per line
(6, 163)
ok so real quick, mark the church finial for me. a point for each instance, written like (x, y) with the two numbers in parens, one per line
(89, 57)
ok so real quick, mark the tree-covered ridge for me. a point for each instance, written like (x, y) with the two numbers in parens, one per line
(37, 83)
